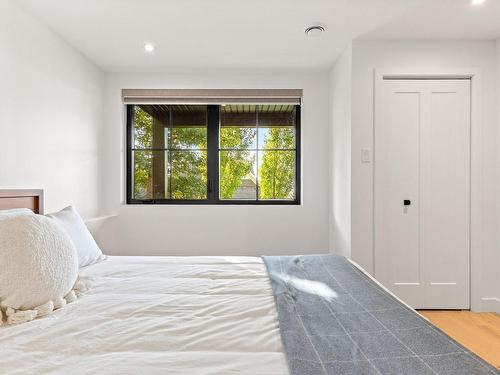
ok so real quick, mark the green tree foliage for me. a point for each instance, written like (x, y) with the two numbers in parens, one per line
(189, 174)
(235, 165)
(189, 168)
(277, 172)
(186, 168)
(143, 135)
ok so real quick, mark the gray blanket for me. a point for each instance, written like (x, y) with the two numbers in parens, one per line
(336, 320)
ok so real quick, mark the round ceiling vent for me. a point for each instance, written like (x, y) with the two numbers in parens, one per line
(314, 30)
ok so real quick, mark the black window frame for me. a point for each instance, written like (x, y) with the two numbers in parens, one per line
(213, 128)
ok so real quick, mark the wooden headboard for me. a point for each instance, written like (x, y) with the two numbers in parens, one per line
(22, 198)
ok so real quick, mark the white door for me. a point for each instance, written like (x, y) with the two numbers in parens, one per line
(422, 191)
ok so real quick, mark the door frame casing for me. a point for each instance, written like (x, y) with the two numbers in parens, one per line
(475, 224)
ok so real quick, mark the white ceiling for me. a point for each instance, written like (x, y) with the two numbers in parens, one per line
(202, 34)
(444, 19)
(239, 34)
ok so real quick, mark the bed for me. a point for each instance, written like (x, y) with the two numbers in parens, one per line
(203, 315)
(227, 315)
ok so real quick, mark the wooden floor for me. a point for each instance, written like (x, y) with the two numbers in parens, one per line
(478, 332)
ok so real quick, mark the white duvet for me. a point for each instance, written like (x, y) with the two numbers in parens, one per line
(157, 315)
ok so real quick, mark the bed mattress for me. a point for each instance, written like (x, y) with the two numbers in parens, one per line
(157, 315)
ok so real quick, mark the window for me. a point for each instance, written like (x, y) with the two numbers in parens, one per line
(213, 154)
(169, 153)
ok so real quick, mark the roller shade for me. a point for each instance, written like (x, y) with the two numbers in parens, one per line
(210, 96)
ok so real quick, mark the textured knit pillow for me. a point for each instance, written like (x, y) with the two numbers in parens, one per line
(86, 247)
(39, 268)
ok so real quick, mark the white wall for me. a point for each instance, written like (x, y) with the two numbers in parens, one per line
(493, 292)
(340, 169)
(421, 55)
(213, 230)
(50, 114)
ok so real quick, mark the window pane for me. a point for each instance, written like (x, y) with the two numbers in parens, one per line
(238, 126)
(237, 175)
(149, 179)
(277, 175)
(143, 128)
(276, 127)
(170, 127)
(188, 177)
(157, 173)
(189, 127)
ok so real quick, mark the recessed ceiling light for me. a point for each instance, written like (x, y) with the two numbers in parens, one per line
(477, 2)
(315, 30)
(149, 47)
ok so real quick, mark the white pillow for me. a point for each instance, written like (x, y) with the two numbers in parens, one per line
(86, 247)
(39, 267)
(6, 214)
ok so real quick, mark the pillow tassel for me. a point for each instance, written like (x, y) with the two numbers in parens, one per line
(44, 309)
(81, 286)
(58, 303)
(20, 316)
(70, 297)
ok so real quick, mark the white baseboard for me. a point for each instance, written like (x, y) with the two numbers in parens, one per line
(491, 304)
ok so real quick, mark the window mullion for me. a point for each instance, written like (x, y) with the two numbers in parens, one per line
(298, 156)
(169, 152)
(130, 145)
(213, 152)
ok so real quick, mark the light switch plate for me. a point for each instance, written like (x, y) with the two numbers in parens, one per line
(366, 155)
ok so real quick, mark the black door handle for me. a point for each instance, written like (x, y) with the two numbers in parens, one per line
(407, 202)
